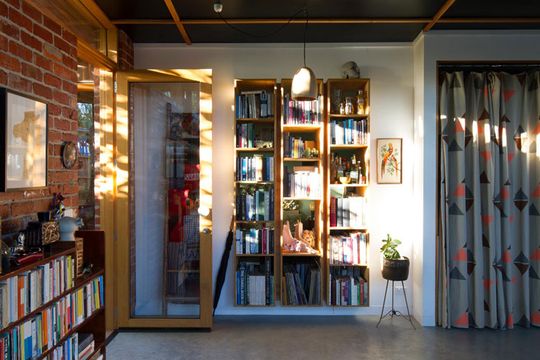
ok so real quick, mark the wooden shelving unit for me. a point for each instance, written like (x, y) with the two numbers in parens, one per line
(347, 273)
(256, 136)
(301, 128)
(94, 254)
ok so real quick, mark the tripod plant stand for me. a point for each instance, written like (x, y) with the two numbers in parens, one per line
(393, 312)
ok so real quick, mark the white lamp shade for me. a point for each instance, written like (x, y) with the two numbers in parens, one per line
(304, 85)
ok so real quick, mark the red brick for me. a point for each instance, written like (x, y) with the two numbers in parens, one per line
(43, 33)
(55, 163)
(43, 91)
(18, 18)
(42, 205)
(9, 29)
(53, 81)
(5, 211)
(10, 63)
(52, 25)
(69, 37)
(62, 44)
(32, 71)
(15, 3)
(19, 83)
(69, 87)
(71, 189)
(70, 62)
(18, 50)
(64, 72)
(53, 108)
(3, 77)
(62, 124)
(61, 97)
(4, 43)
(54, 136)
(22, 208)
(32, 12)
(43, 62)
(31, 41)
(3, 10)
(11, 226)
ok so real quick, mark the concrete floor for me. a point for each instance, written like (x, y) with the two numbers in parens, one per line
(324, 337)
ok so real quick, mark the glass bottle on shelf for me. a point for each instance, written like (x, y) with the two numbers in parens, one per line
(348, 106)
(360, 103)
(354, 171)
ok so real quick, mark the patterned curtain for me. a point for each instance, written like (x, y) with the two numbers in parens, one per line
(489, 249)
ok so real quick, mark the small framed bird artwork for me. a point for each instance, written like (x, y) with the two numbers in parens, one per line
(389, 160)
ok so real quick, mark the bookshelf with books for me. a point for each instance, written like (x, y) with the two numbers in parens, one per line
(256, 215)
(347, 179)
(301, 201)
(45, 307)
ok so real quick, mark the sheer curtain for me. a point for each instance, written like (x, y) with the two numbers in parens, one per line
(489, 249)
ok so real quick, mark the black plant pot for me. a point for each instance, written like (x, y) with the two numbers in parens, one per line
(396, 270)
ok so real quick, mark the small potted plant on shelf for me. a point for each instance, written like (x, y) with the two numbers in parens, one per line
(395, 268)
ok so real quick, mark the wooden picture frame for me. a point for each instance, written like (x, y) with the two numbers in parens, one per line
(23, 141)
(389, 160)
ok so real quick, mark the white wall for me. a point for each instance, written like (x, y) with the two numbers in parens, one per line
(390, 68)
(462, 46)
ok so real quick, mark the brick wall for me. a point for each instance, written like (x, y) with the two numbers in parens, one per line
(125, 51)
(38, 57)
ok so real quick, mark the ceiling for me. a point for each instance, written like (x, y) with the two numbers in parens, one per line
(150, 21)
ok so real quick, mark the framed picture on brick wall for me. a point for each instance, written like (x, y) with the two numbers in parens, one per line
(23, 141)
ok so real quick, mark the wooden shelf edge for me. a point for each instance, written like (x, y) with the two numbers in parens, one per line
(35, 264)
(349, 265)
(254, 255)
(255, 149)
(349, 116)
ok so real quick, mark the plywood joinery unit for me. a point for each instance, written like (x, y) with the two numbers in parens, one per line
(302, 198)
(347, 179)
(256, 189)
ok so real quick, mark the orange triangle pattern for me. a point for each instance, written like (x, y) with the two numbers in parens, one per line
(458, 127)
(536, 192)
(460, 190)
(486, 155)
(461, 255)
(462, 321)
(535, 318)
(488, 283)
(510, 320)
(508, 94)
(487, 219)
(535, 255)
(507, 257)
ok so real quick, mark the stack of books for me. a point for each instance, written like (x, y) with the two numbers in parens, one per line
(350, 131)
(302, 284)
(28, 291)
(33, 337)
(302, 112)
(348, 212)
(255, 282)
(254, 104)
(347, 287)
(349, 249)
(295, 147)
(255, 204)
(303, 182)
(255, 168)
(255, 241)
(86, 345)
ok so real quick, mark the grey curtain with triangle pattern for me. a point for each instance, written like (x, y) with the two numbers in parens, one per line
(489, 249)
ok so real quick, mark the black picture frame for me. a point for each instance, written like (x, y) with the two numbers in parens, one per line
(22, 116)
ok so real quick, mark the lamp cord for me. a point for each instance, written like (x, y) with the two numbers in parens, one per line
(271, 33)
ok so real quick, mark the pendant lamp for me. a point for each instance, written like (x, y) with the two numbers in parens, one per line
(304, 84)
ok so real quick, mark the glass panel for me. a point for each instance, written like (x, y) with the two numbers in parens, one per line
(164, 122)
(86, 108)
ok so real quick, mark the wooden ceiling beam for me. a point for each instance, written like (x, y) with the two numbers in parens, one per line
(439, 14)
(273, 21)
(177, 21)
(532, 20)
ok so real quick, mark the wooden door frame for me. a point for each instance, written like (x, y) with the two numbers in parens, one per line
(123, 226)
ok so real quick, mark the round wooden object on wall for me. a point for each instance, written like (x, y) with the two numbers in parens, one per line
(69, 154)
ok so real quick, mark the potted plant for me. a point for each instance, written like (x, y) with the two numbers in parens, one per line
(395, 268)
